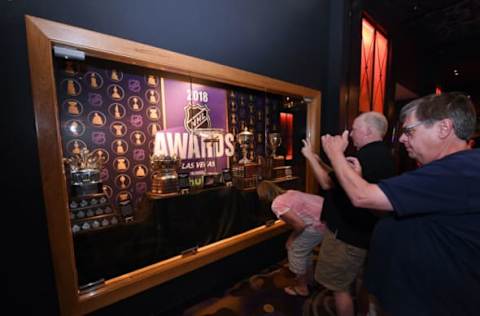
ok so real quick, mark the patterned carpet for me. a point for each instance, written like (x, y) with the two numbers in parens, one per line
(263, 294)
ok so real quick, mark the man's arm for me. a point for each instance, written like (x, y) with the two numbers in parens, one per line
(320, 169)
(361, 193)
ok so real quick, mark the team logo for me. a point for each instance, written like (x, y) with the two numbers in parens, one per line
(196, 116)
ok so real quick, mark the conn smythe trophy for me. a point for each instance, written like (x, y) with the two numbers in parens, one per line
(245, 172)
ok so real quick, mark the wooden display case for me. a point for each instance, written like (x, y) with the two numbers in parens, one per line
(42, 36)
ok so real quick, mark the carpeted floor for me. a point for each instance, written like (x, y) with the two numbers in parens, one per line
(263, 294)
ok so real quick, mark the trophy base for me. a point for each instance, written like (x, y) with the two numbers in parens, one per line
(92, 212)
(282, 172)
(245, 170)
(163, 184)
(271, 164)
(244, 183)
(278, 161)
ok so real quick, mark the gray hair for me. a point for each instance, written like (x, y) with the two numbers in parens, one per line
(377, 121)
(452, 105)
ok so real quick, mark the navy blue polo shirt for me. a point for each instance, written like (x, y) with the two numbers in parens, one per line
(425, 260)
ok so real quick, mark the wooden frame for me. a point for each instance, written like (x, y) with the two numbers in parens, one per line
(41, 36)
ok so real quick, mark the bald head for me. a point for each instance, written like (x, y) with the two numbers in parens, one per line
(376, 121)
(368, 127)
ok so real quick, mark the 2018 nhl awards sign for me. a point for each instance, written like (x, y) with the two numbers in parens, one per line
(189, 107)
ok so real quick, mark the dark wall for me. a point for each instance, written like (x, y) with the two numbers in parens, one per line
(409, 62)
(284, 39)
(336, 69)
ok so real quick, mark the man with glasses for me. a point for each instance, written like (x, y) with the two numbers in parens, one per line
(425, 260)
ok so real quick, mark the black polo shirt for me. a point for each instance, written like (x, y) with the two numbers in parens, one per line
(355, 225)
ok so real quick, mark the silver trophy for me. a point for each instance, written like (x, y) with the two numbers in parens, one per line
(84, 173)
(274, 140)
(211, 138)
(244, 138)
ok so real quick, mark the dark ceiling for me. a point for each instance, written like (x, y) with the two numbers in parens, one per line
(450, 33)
(446, 21)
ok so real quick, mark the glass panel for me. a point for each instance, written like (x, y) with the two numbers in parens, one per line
(122, 203)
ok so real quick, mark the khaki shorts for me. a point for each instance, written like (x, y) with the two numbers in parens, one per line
(338, 263)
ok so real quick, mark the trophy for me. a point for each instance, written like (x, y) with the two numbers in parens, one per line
(245, 172)
(211, 138)
(244, 139)
(89, 206)
(276, 164)
(274, 140)
(85, 173)
(165, 177)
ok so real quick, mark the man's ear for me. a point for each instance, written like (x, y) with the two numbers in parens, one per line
(445, 128)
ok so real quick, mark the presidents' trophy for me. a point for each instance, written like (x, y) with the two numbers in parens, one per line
(211, 139)
(245, 172)
(90, 208)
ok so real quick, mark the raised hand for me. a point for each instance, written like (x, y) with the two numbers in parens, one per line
(307, 150)
(334, 145)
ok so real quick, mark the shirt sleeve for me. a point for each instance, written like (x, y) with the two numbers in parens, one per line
(281, 205)
(433, 188)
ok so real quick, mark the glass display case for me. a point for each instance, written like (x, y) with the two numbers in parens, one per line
(135, 143)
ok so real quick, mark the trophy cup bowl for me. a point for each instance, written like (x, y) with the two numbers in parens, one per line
(274, 140)
(85, 175)
(209, 135)
(244, 139)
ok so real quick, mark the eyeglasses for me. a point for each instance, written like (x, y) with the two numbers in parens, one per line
(410, 129)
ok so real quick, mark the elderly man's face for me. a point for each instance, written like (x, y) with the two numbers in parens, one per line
(419, 141)
(358, 133)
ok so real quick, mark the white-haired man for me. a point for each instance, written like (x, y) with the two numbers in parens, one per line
(344, 248)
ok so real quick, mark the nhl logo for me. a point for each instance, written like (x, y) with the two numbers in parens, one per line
(196, 116)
